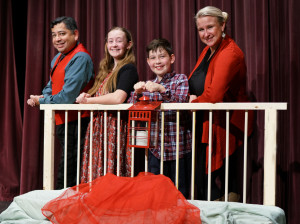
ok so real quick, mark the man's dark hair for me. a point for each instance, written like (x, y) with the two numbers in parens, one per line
(68, 21)
(155, 44)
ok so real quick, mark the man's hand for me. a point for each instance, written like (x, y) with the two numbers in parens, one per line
(34, 100)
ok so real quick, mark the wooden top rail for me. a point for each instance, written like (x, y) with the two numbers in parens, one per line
(171, 106)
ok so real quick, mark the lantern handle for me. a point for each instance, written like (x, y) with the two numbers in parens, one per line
(144, 99)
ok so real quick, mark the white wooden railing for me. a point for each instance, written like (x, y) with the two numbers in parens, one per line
(270, 110)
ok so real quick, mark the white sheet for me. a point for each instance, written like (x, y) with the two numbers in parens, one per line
(233, 212)
(26, 208)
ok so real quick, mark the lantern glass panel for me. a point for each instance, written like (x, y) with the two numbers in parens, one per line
(139, 133)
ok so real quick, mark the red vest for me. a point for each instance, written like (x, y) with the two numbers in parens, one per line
(57, 80)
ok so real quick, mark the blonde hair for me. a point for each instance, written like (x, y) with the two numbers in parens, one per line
(213, 11)
(107, 64)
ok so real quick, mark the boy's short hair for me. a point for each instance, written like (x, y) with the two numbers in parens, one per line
(155, 44)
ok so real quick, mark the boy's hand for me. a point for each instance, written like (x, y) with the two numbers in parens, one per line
(155, 87)
(139, 87)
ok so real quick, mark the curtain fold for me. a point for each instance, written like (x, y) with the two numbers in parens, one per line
(10, 113)
(266, 31)
(38, 56)
(251, 33)
(284, 87)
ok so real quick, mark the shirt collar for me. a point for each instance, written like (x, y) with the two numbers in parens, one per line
(63, 55)
(165, 77)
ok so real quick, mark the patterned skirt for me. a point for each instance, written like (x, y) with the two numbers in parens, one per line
(112, 146)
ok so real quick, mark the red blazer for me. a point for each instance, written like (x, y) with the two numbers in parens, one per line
(225, 82)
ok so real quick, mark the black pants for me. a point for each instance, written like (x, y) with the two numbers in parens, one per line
(71, 151)
(184, 179)
(217, 177)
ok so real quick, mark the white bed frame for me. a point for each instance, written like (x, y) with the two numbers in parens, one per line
(270, 111)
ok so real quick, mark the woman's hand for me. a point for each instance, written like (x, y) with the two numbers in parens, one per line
(82, 98)
(192, 97)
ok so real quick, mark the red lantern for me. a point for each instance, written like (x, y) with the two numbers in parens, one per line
(139, 123)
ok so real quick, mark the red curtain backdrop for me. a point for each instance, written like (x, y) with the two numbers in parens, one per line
(266, 31)
(10, 113)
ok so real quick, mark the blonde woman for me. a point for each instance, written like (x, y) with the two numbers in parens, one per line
(113, 84)
(219, 76)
